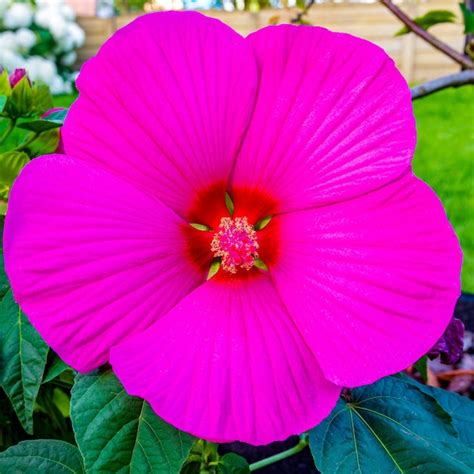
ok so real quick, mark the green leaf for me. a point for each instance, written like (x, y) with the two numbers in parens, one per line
(234, 464)
(461, 409)
(44, 144)
(422, 367)
(42, 100)
(22, 360)
(39, 126)
(433, 17)
(392, 426)
(229, 204)
(42, 456)
(54, 369)
(262, 223)
(4, 283)
(201, 227)
(11, 163)
(119, 433)
(468, 17)
(58, 116)
(3, 101)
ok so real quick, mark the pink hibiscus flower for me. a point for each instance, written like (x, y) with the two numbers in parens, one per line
(310, 127)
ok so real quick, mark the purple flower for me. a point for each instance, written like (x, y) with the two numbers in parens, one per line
(449, 348)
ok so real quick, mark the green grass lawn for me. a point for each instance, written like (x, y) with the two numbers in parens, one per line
(444, 159)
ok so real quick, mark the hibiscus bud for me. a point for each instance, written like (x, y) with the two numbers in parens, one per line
(16, 76)
(449, 348)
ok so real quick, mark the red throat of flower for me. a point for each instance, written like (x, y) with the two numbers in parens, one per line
(232, 235)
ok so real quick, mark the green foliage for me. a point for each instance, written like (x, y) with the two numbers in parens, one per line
(443, 159)
(11, 163)
(22, 362)
(433, 17)
(468, 17)
(459, 408)
(390, 426)
(55, 368)
(116, 432)
(422, 367)
(234, 464)
(42, 456)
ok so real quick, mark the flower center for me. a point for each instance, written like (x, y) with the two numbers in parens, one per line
(235, 242)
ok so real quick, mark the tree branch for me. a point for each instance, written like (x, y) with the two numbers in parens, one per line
(299, 16)
(428, 37)
(452, 80)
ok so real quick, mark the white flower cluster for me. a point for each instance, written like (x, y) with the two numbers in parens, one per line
(42, 38)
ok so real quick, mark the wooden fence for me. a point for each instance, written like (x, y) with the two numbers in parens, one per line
(417, 60)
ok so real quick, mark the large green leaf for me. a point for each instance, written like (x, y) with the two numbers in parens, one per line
(4, 283)
(42, 456)
(119, 433)
(429, 19)
(389, 427)
(460, 408)
(22, 360)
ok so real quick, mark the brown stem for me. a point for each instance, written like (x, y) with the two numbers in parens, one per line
(452, 80)
(299, 16)
(428, 37)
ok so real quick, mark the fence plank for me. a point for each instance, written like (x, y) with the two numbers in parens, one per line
(417, 60)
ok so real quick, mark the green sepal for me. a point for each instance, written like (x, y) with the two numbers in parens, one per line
(5, 88)
(21, 103)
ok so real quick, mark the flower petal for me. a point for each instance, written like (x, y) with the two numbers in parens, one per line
(372, 282)
(333, 118)
(90, 258)
(227, 363)
(165, 104)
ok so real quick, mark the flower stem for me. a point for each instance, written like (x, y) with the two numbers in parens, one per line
(283, 455)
